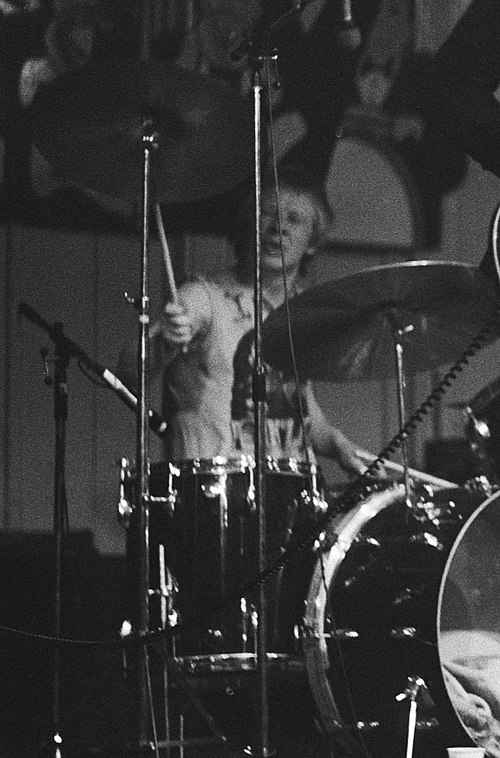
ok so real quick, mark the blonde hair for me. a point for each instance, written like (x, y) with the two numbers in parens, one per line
(294, 178)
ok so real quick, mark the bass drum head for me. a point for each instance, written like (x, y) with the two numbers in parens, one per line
(370, 626)
(469, 626)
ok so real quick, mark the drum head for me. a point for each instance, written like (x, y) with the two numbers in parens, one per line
(469, 626)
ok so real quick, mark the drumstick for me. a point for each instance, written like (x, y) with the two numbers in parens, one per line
(167, 261)
(166, 254)
(396, 468)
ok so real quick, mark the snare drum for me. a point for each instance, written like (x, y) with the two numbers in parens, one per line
(405, 598)
(204, 552)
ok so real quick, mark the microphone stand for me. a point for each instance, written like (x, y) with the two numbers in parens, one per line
(60, 383)
(138, 556)
(257, 45)
(157, 424)
(256, 48)
(138, 532)
(66, 348)
(259, 398)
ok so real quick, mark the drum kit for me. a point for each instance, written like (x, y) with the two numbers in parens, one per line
(368, 597)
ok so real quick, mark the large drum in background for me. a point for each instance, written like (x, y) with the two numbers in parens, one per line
(407, 602)
(204, 551)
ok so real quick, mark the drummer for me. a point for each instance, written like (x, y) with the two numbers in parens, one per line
(204, 341)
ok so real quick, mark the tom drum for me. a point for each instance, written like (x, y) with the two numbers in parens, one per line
(204, 554)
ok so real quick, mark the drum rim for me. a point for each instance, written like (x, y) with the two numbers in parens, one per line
(456, 544)
(220, 465)
(217, 663)
(346, 527)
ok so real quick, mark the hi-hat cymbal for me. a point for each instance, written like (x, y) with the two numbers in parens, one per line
(88, 124)
(346, 329)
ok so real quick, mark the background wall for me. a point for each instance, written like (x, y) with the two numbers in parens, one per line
(79, 278)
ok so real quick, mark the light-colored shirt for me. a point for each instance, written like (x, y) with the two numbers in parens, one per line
(208, 389)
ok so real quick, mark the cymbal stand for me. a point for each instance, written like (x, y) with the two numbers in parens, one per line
(138, 533)
(400, 334)
(60, 384)
(414, 685)
(62, 354)
(259, 397)
(138, 557)
(257, 45)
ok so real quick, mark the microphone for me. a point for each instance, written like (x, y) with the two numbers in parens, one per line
(348, 34)
(156, 422)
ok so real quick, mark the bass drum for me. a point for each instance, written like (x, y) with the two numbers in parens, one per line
(405, 607)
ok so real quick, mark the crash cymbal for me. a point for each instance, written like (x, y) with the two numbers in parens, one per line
(345, 329)
(88, 125)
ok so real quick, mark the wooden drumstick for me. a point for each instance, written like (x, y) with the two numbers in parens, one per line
(166, 254)
(167, 261)
(396, 468)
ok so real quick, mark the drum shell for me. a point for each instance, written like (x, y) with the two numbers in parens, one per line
(206, 532)
(372, 620)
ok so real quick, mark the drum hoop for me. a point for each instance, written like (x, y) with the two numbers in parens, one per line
(220, 465)
(222, 663)
(346, 527)
(451, 555)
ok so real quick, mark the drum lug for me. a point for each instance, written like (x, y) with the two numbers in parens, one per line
(327, 539)
(125, 511)
(214, 641)
(314, 496)
(251, 495)
(366, 726)
(404, 633)
(407, 595)
(249, 617)
(334, 725)
(370, 541)
(124, 507)
(342, 634)
(331, 632)
(427, 539)
(215, 488)
(427, 724)
(480, 484)
(315, 499)
(427, 508)
(218, 488)
(360, 726)
(167, 592)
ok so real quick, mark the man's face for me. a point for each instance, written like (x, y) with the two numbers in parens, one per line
(298, 215)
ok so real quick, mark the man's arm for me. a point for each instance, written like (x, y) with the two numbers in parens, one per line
(177, 325)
